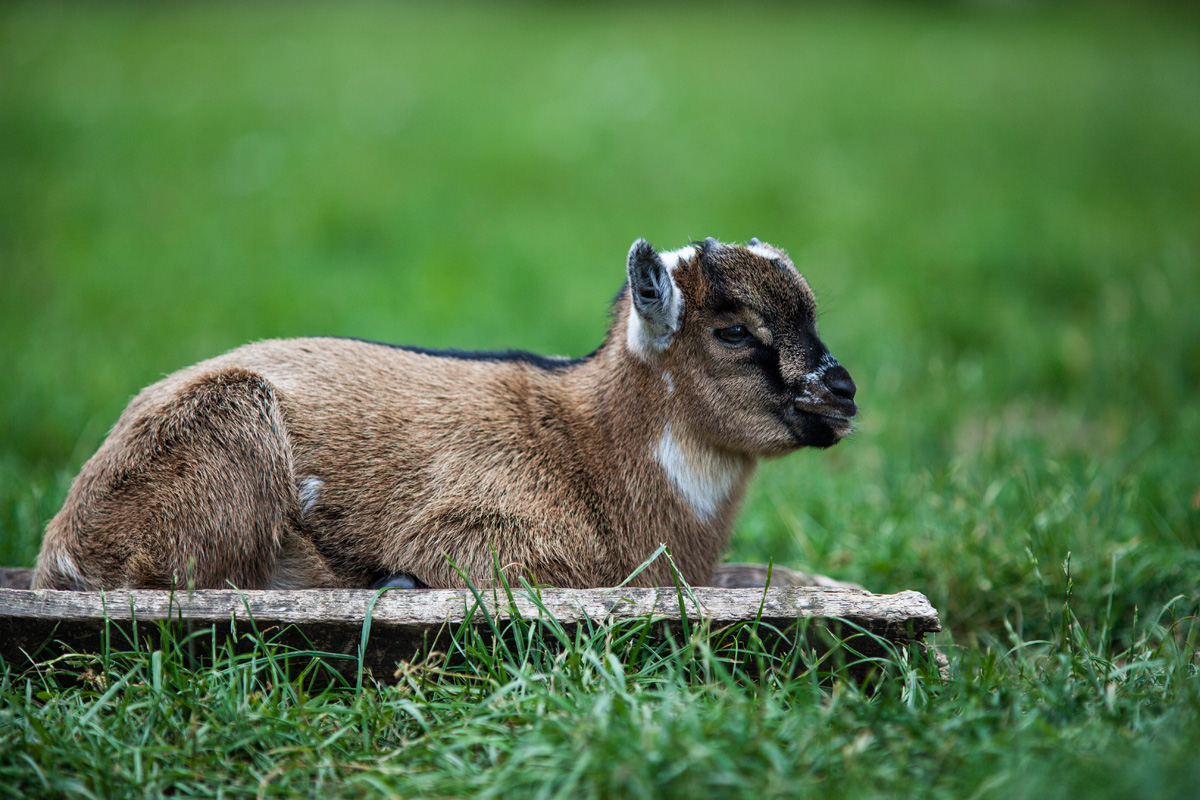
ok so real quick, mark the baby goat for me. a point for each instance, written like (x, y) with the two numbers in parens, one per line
(328, 462)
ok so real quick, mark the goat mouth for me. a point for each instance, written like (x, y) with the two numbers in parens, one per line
(838, 423)
(822, 414)
(842, 414)
(815, 428)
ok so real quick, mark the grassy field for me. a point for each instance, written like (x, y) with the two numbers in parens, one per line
(999, 210)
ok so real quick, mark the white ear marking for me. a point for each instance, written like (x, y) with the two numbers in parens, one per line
(674, 258)
(762, 251)
(656, 303)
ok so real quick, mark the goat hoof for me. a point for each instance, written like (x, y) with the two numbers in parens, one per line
(401, 580)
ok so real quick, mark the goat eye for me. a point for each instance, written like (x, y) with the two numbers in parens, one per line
(735, 334)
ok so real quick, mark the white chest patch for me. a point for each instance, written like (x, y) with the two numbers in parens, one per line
(704, 477)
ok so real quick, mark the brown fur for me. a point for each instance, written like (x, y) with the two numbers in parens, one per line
(430, 461)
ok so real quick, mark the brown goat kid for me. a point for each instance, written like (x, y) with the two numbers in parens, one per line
(329, 462)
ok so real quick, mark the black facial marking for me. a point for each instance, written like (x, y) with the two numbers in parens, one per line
(767, 360)
(727, 305)
(816, 431)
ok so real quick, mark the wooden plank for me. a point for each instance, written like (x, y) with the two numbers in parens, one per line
(35, 624)
(734, 575)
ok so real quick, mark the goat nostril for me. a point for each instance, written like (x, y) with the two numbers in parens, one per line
(839, 382)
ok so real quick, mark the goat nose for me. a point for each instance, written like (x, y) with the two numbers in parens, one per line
(839, 382)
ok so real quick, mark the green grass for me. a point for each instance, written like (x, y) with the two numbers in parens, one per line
(609, 714)
(999, 210)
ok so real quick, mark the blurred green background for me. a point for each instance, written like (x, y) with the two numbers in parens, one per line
(998, 206)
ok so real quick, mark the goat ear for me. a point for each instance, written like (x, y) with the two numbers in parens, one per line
(657, 301)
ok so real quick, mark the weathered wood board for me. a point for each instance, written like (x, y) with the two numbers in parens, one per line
(36, 624)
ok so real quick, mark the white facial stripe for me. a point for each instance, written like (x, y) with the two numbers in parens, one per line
(704, 478)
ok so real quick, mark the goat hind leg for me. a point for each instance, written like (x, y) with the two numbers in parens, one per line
(194, 487)
(226, 481)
